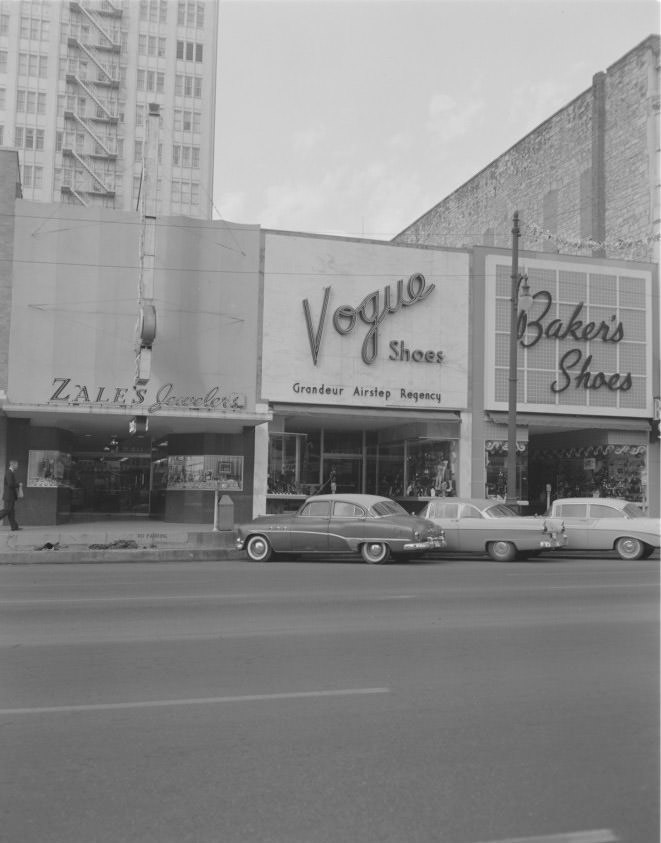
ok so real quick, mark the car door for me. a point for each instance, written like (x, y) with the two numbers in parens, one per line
(347, 526)
(605, 525)
(473, 530)
(446, 515)
(310, 528)
(577, 524)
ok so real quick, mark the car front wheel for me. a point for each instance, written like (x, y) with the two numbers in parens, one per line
(629, 548)
(374, 553)
(501, 551)
(259, 549)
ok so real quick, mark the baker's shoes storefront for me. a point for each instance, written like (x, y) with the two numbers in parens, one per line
(588, 375)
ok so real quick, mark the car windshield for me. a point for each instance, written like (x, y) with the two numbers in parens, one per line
(388, 508)
(499, 510)
(633, 511)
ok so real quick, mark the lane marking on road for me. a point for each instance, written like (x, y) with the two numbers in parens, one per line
(251, 598)
(603, 835)
(293, 695)
(267, 597)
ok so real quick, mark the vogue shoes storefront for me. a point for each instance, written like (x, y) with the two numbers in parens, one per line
(91, 442)
(365, 368)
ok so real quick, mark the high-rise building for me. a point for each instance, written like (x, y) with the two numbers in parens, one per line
(76, 82)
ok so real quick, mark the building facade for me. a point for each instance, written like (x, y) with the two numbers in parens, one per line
(585, 182)
(586, 185)
(76, 82)
(587, 363)
(91, 439)
(284, 364)
(365, 367)
(386, 369)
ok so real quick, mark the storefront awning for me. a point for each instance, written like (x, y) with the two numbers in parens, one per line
(543, 422)
(86, 419)
(301, 417)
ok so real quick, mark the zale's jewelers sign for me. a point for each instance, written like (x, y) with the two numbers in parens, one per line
(65, 391)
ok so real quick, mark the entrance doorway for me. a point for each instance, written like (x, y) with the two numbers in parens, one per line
(110, 485)
(345, 471)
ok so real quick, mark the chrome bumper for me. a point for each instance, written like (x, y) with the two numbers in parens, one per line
(431, 544)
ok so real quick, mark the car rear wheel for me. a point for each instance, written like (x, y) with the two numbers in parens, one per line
(501, 551)
(629, 548)
(259, 549)
(374, 553)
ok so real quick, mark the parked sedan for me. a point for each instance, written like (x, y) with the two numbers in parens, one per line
(608, 524)
(368, 526)
(479, 525)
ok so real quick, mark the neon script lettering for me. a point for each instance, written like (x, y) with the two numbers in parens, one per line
(573, 365)
(575, 328)
(372, 311)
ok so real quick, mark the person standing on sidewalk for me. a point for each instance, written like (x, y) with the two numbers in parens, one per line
(10, 495)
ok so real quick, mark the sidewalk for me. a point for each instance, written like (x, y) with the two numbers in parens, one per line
(115, 541)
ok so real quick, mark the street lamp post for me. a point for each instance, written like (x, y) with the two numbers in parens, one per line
(520, 298)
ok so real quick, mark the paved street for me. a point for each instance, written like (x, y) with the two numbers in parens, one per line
(448, 701)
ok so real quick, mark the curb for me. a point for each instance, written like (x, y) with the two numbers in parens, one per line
(75, 557)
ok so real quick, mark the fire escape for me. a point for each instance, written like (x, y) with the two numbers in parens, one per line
(93, 77)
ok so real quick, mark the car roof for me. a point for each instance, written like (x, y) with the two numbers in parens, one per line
(480, 503)
(363, 500)
(614, 501)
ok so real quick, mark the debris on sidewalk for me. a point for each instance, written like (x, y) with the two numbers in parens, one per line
(49, 546)
(118, 544)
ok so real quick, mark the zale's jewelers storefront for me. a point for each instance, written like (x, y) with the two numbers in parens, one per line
(94, 434)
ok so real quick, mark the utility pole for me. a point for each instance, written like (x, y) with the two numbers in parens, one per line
(511, 495)
(146, 326)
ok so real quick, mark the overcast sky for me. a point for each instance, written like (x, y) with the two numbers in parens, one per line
(355, 118)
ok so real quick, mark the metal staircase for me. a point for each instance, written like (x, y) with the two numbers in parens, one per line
(95, 161)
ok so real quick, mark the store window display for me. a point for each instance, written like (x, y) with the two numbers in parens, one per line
(604, 471)
(49, 469)
(496, 469)
(431, 469)
(208, 472)
(293, 464)
(332, 461)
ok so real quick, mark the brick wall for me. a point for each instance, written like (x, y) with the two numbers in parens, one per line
(588, 173)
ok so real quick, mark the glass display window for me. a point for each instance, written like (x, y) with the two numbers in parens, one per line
(431, 468)
(209, 472)
(355, 461)
(49, 469)
(293, 464)
(284, 472)
(389, 467)
(310, 475)
(346, 443)
(496, 470)
(605, 471)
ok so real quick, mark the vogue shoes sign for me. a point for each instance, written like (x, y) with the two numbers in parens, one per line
(372, 312)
